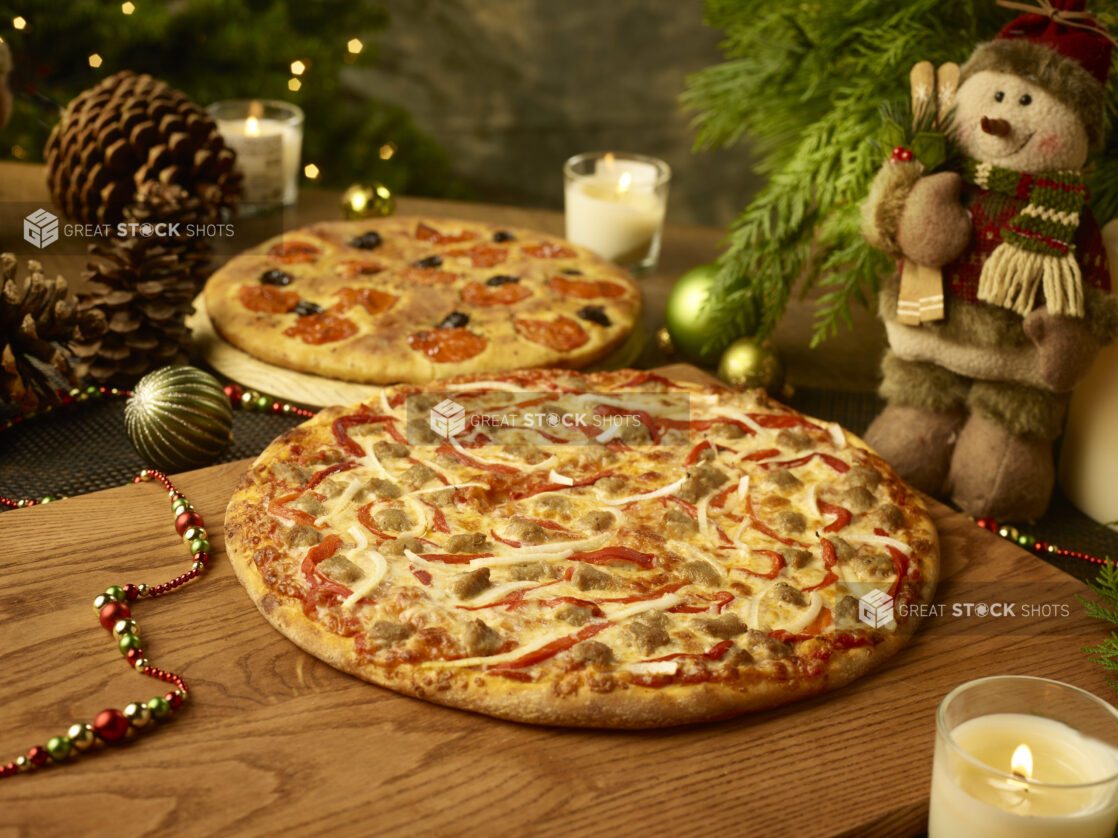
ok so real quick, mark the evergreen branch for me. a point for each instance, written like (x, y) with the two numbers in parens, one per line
(1105, 608)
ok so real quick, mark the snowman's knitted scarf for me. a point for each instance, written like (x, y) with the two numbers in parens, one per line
(1038, 243)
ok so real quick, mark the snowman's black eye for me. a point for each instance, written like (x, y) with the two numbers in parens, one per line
(1025, 99)
(999, 96)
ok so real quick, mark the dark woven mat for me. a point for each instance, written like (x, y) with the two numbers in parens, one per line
(85, 449)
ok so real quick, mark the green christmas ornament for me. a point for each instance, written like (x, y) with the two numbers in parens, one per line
(368, 200)
(179, 418)
(749, 363)
(690, 322)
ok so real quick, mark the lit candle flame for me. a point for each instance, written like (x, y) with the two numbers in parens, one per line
(608, 159)
(1022, 762)
(252, 126)
(623, 184)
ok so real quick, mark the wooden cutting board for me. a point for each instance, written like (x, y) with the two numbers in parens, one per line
(277, 742)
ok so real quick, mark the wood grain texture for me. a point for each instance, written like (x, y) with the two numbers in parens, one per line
(275, 741)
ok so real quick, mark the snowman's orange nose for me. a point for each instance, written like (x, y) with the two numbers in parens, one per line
(997, 127)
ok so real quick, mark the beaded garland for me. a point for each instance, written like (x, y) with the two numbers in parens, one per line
(113, 726)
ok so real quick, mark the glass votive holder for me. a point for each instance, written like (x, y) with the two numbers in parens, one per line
(267, 136)
(615, 204)
(1022, 757)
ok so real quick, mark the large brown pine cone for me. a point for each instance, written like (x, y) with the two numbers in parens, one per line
(39, 317)
(130, 130)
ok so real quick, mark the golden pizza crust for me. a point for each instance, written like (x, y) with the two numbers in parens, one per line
(542, 702)
(379, 352)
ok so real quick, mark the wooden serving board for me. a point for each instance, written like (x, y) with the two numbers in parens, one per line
(275, 741)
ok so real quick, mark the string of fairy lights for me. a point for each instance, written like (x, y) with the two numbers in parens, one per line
(298, 67)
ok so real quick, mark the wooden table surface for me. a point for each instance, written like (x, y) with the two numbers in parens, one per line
(275, 741)
(849, 362)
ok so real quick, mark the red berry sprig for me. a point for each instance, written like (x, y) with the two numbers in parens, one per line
(114, 612)
(901, 155)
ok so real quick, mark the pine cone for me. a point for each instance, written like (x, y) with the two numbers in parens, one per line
(39, 317)
(130, 130)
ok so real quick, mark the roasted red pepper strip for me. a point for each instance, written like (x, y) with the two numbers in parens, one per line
(554, 647)
(366, 519)
(439, 518)
(765, 528)
(319, 553)
(782, 420)
(616, 553)
(642, 377)
(422, 575)
(707, 424)
(507, 541)
(777, 565)
(466, 460)
(326, 472)
(277, 507)
(342, 425)
(900, 563)
(715, 653)
(834, 462)
(827, 580)
(843, 514)
(646, 418)
(763, 454)
(570, 600)
(689, 508)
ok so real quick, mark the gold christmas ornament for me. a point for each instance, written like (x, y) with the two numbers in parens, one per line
(664, 341)
(368, 200)
(749, 363)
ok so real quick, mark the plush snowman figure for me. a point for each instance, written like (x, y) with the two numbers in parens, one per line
(976, 398)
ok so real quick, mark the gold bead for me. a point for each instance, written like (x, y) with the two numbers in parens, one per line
(81, 736)
(138, 714)
(100, 601)
(142, 590)
(141, 663)
(192, 533)
(126, 626)
(23, 763)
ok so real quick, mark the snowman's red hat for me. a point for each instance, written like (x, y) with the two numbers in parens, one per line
(1058, 46)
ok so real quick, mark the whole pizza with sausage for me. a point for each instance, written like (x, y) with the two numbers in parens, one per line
(407, 299)
(610, 550)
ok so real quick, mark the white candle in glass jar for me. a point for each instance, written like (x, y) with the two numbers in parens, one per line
(615, 206)
(1014, 775)
(268, 140)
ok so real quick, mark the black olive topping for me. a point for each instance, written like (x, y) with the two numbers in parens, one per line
(572, 272)
(454, 320)
(595, 314)
(305, 307)
(501, 279)
(275, 277)
(429, 262)
(367, 241)
(503, 236)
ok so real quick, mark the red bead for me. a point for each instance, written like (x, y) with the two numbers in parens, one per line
(234, 392)
(204, 558)
(110, 725)
(133, 655)
(174, 699)
(131, 592)
(1041, 547)
(188, 519)
(38, 755)
(112, 612)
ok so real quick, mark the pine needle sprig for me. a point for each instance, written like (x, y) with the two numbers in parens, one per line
(1105, 608)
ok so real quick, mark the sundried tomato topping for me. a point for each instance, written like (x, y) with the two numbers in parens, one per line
(352, 268)
(321, 328)
(429, 234)
(447, 346)
(374, 302)
(549, 250)
(482, 255)
(584, 289)
(480, 294)
(293, 253)
(561, 334)
(426, 276)
(267, 299)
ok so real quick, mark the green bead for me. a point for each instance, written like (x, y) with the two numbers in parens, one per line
(58, 748)
(115, 593)
(199, 545)
(160, 708)
(48, 499)
(193, 534)
(80, 736)
(128, 642)
(1025, 540)
(263, 403)
(92, 391)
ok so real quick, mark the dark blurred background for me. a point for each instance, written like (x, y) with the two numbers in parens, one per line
(473, 99)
